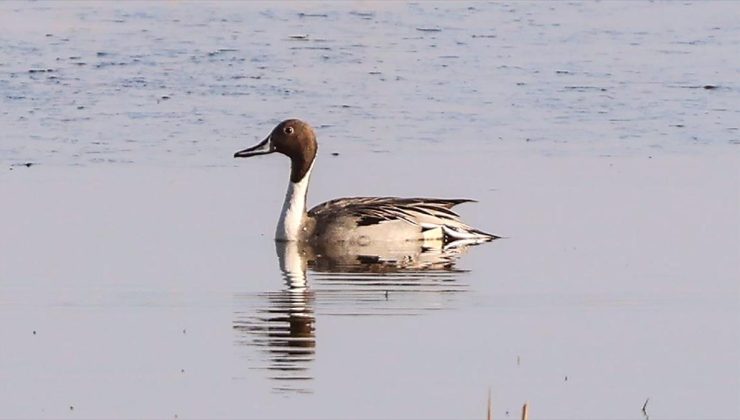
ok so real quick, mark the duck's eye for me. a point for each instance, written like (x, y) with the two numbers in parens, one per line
(288, 130)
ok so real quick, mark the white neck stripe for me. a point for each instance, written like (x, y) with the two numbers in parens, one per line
(293, 213)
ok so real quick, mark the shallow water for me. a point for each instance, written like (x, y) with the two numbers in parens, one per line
(138, 275)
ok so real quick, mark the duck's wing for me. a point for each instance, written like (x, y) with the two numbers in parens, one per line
(428, 213)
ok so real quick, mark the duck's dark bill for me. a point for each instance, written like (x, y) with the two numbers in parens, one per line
(264, 147)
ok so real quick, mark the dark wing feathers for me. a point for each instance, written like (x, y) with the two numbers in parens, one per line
(371, 210)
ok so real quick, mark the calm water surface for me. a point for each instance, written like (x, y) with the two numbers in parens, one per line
(139, 277)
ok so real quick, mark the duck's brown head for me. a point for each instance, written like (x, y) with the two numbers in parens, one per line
(293, 138)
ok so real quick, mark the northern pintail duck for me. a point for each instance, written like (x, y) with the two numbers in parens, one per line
(354, 220)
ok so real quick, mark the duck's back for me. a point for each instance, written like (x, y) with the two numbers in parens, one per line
(370, 219)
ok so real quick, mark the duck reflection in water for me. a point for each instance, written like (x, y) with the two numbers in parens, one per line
(285, 327)
(346, 280)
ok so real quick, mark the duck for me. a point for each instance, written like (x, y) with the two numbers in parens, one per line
(357, 221)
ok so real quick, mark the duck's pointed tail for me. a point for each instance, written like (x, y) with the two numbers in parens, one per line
(467, 233)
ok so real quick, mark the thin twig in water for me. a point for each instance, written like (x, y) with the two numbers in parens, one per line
(644, 408)
(525, 412)
(490, 412)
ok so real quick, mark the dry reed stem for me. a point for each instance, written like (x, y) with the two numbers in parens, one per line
(490, 411)
(525, 412)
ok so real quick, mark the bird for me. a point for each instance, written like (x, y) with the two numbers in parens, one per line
(355, 220)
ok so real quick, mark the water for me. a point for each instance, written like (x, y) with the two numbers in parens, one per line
(138, 275)
(178, 83)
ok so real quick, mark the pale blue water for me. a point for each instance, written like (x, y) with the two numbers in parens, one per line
(172, 83)
(139, 277)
